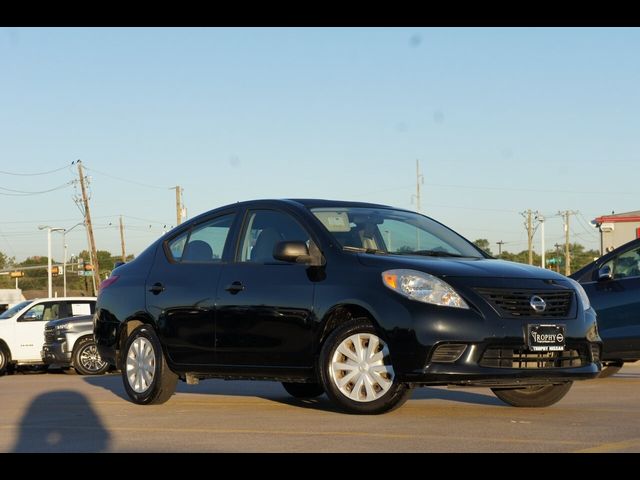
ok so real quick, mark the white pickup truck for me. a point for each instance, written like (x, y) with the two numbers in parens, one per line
(22, 327)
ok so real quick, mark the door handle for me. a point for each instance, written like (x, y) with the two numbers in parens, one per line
(234, 288)
(157, 288)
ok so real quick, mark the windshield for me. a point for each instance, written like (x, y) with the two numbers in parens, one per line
(15, 309)
(382, 230)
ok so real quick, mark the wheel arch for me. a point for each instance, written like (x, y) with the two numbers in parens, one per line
(127, 328)
(342, 313)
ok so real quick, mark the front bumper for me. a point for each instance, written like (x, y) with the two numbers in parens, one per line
(55, 353)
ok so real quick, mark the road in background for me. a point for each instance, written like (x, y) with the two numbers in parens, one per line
(57, 412)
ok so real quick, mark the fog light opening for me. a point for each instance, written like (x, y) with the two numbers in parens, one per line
(448, 352)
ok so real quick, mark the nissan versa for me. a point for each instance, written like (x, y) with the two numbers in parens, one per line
(362, 302)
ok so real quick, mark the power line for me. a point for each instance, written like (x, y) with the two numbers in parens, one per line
(512, 189)
(20, 193)
(32, 174)
(124, 179)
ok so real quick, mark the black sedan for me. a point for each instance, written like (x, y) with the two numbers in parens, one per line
(362, 302)
(613, 285)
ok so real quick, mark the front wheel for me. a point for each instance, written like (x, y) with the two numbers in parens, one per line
(86, 359)
(146, 375)
(536, 396)
(357, 372)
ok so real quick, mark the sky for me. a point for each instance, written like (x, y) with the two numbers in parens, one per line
(502, 120)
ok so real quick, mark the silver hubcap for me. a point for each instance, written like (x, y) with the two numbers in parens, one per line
(360, 367)
(90, 359)
(141, 365)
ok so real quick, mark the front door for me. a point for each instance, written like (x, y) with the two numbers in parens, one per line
(264, 314)
(30, 331)
(617, 303)
(181, 289)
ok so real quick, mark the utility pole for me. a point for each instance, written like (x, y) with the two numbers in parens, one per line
(92, 241)
(500, 243)
(530, 231)
(124, 253)
(567, 264)
(540, 219)
(178, 190)
(419, 179)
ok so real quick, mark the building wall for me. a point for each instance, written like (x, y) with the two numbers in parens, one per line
(623, 232)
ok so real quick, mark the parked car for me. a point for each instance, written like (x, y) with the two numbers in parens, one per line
(22, 327)
(613, 285)
(362, 302)
(69, 343)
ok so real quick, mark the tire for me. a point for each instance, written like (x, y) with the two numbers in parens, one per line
(85, 358)
(538, 396)
(4, 360)
(611, 368)
(146, 376)
(367, 384)
(303, 390)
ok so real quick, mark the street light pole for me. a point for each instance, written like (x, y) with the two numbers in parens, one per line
(49, 275)
(64, 266)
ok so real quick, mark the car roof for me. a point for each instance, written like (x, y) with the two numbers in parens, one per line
(62, 299)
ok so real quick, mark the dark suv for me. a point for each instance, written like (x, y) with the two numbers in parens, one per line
(358, 301)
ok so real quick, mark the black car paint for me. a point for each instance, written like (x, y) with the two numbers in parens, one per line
(617, 303)
(274, 327)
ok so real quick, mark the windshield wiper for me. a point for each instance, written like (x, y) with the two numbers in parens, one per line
(436, 253)
(364, 250)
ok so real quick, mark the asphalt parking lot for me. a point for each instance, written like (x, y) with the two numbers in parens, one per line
(57, 412)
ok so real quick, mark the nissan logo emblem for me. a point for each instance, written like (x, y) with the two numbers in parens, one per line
(537, 303)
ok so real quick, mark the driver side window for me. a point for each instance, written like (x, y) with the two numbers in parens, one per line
(42, 312)
(626, 264)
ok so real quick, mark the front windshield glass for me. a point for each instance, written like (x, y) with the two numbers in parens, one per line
(382, 230)
(15, 309)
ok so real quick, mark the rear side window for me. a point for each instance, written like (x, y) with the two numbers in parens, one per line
(204, 243)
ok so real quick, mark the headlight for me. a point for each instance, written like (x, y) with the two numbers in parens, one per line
(581, 293)
(422, 287)
(63, 327)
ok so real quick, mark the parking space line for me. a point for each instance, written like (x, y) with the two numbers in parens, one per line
(612, 446)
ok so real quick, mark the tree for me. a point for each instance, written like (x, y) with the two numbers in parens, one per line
(483, 244)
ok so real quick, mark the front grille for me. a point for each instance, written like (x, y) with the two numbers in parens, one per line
(499, 357)
(49, 335)
(510, 303)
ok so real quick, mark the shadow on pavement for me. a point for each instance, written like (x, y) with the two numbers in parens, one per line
(274, 391)
(61, 421)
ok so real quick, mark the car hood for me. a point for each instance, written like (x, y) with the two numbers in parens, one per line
(77, 321)
(459, 267)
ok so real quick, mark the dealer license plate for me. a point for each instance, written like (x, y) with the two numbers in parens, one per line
(545, 338)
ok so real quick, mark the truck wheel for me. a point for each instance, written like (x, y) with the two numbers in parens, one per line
(86, 360)
(535, 396)
(4, 360)
(145, 373)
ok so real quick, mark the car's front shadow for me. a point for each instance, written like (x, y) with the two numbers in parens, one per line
(273, 391)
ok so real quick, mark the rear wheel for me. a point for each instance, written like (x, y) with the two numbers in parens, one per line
(610, 368)
(536, 396)
(357, 372)
(146, 375)
(86, 360)
(303, 390)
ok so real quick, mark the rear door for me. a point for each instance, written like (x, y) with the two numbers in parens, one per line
(181, 288)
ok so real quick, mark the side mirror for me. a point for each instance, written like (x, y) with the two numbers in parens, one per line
(605, 273)
(294, 252)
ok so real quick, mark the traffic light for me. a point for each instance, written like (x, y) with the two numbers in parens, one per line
(88, 267)
(55, 271)
(16, 274)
